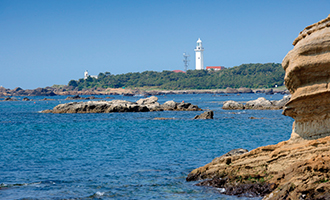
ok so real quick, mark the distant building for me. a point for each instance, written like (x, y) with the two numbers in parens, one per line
(179, 71)
(86, 75)
(215, 68)
(199, 55)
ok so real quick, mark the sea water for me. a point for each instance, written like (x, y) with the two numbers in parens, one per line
(125, 155)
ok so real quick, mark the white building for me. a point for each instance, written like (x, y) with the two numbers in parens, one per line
(199, 55)
(86, 75)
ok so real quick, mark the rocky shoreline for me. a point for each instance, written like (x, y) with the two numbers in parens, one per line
(287, 170)
(142, 105)
(66, 90)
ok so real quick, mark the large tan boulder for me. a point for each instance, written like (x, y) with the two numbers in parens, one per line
(307, 70)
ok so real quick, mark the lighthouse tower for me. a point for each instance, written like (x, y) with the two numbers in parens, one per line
(199, 55)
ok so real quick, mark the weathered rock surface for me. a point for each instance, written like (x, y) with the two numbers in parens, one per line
(231, 90)
(245, 90)
(295, 170)
(307, 69)
(205, 115)
(300, 167)
(143, 105)
(259, 104)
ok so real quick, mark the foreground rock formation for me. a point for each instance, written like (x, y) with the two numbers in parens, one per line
(307, 69)
(142, 105)
(283, 171)
(259, 104)
(300, 167)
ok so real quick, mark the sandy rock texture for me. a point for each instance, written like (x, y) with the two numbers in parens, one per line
(142, 105)
(307, 70)
(287, 170)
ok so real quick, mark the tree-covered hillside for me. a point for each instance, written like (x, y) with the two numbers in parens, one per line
(246, 75)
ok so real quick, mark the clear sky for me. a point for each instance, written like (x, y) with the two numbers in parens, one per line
(49, 42)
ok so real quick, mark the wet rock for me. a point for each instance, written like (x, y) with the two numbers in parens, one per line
(10, 99)
(25, 99)
(73, 98)
(205, 115)
(163, 118)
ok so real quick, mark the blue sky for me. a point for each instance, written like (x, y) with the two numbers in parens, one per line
(43, 43)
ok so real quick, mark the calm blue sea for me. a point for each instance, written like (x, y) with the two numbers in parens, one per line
(124, 155)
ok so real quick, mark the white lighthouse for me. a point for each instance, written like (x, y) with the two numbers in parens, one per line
(199, 55)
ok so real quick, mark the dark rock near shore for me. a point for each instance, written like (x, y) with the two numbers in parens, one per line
(25, 99)
(77, 97)
(142, 105)
(10, 99)
(205, 115)
(243, 189)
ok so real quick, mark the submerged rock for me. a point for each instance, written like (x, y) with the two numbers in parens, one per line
(142, 105)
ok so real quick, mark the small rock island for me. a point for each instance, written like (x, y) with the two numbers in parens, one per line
(142, 105)
(300, 167)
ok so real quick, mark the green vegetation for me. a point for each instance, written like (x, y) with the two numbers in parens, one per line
(247, 75)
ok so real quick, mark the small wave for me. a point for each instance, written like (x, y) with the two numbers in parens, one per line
(99, 193)
(221, 190)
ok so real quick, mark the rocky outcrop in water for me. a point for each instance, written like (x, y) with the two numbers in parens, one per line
(300, 167)
(205, 115)
(142, 105)
(259, 104)
(77, 97)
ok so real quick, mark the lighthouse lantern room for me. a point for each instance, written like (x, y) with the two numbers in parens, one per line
(199, 55)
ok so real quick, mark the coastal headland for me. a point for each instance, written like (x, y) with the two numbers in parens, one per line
(300, 167)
